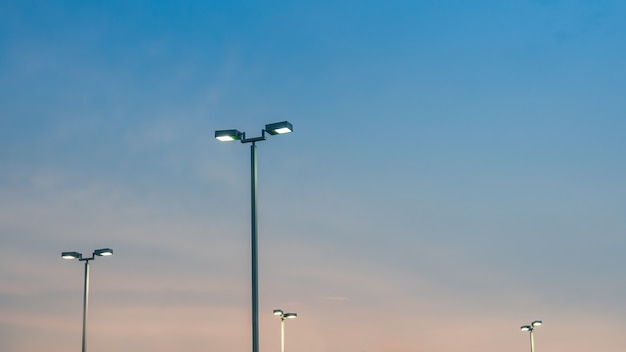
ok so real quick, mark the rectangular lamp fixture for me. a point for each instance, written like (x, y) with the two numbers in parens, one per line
(71, 255)
(228, 135)
(279, 128)
(103, 252)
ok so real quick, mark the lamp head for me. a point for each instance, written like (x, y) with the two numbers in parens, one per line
(71, 255)
(279, 128)
(228, 135)
(104, 252)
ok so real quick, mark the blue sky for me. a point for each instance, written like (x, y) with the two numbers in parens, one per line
(456, 171)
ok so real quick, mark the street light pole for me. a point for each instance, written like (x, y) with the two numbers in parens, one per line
(282, 334)
(253, 240)
(530, 328)
(283, 316)
(233, 135)
(75, 255)
(85, 303)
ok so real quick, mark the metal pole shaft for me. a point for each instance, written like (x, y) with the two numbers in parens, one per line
(255, 272)
(85, 304)
(282, 334)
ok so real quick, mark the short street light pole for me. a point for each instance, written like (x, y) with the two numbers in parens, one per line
(282, 315)
(530, 328)
(104, 252)
(235, 135)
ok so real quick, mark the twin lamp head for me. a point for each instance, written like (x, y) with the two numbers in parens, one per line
(103, 252)
(272, 128)
(532, 326)
(283, 315)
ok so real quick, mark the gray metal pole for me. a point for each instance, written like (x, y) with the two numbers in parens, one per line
(282, 334)
(85, 304)
(255, 271)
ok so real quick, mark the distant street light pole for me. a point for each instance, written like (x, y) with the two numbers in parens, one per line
(75, 255)
(234, 135)
(282, 315)
(530, 328)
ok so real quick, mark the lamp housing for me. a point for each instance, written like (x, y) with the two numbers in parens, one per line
(228, 135)
(71, 255)
(279, 128)
(104, 252)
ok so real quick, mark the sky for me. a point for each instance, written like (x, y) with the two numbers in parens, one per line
(456, 171)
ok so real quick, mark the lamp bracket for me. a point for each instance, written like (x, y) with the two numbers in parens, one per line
(252, 140)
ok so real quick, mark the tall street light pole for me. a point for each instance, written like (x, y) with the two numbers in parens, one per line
(75, 255)
(282, 315)
(530, 328)
(234, 135)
